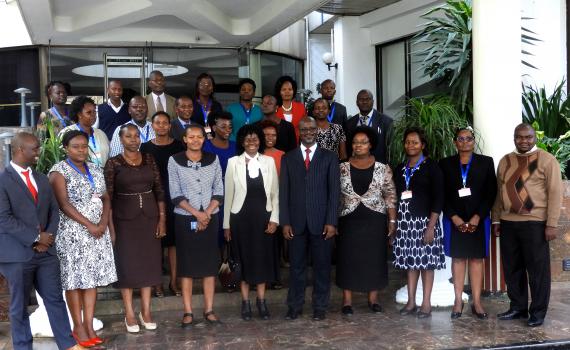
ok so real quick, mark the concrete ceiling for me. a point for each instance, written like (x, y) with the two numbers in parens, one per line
(354, 7)
(206, 23)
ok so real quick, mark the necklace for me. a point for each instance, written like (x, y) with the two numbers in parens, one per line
(131, 161)
(287, 109)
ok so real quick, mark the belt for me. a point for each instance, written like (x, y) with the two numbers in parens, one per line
(140, 194)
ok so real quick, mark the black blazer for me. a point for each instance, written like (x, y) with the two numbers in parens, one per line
(482, 181)
(339, 116)
(309, 198)
(426, 185)
(176, 129)
(197, 115)
(383, 125)
(21, 219)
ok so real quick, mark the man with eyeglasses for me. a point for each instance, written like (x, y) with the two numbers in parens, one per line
(138, 112)
(525, 215)
(158, 100)
(380, 123)
(309, 191)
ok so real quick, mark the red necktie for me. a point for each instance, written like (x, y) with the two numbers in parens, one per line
(307, 158)
(31, 187)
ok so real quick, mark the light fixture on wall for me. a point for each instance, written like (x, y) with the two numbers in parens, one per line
(328, 60)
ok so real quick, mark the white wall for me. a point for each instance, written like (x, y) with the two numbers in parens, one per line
(14, 31)
(318, 45)
(290, 41)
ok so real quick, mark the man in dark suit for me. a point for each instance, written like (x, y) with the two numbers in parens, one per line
(380, 123)
(29, 217)
(309, 193)
(184, 109)
(337, 110)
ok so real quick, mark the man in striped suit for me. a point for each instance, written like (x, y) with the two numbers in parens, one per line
(308, 206)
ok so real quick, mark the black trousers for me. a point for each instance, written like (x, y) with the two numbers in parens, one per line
(525, 251)
(320, 250)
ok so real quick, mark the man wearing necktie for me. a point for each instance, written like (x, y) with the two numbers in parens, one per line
(29, 217)
(309, 190)
(368, 116)
(158, 100)
(184, 109)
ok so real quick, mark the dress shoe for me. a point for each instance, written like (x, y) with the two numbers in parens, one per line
(132, 329)
(149, 326)
(97, 340)
(456, 314)
(76, 347)
(511, 314)
(534, 321)
(319, 315)
(481, 316)
(347, 310)
(211, 321)
(262, 309)
(158, 291)
(84, 343)
(292, 314)
(245, 310)
(422, 314)
(406, 312)
(375, 307)
(185, 325)
(174, 290)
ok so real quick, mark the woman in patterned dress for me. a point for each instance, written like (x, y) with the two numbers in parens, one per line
(329, 135)
(418, 247)
(83, 242)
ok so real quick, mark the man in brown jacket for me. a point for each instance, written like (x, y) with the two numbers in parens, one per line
(525, 214)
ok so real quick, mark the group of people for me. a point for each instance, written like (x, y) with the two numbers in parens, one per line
(187, 176)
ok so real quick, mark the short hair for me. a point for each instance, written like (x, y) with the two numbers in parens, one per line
(370, 94)
(154, 72)
(247, 81)
(421, 134)
(246, 130)
(524, 126)
(204, 76)
(116, 81)
(52, 84)
(320, 99)
(77, 106)
(183, 97)
(18, 140)
(266, 123)
(158, 114)
(328, 81)
(126, 126)
(214, 116)
(279, 83)
(195, 126)
(369, 132)
(70, 135)
(464, 128)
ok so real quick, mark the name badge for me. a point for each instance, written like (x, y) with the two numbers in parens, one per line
(96, 198)
(193, 225)
(464, 192)
(288, 117)
(406, 194)
(208, 130)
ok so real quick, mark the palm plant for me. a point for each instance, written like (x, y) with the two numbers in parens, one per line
(439, 119)
(551, 113)
(51, 149)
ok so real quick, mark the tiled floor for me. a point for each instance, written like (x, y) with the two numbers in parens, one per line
(363, 330)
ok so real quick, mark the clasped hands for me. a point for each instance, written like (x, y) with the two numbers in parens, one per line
(466, 227)
(46, 240)
(203, 218)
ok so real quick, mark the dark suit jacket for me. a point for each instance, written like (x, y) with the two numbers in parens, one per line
(309, 198)
(21, 220)
(339, 116)
(176, 129)
(383, 125)
(481, 180)
(198, 115)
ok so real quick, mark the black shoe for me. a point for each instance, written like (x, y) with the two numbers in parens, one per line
(422, 314)
(262, 309)
(319, 315)
(214, 321)
(292, 314)
(246, 310)
(511, 314)
(406, 312)
(375, 307)
(456, 314)
(186, 325)
(481, 316)
(534, 321)
(276, 285)
(347, 310)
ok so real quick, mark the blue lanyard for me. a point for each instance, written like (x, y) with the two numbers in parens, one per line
(247, 113)
(205, 110)
(331, 114)
(87, 174)
(369, 121)
(61, 119)
(466, 171)
(410, 172)
(91, 137)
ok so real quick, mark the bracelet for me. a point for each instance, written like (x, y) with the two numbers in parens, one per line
(161, 213)
(393, 221)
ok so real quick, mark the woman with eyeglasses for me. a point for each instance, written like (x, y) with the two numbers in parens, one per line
(367, 220)
(470, 190)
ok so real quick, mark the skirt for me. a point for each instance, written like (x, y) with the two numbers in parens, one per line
(197, 253)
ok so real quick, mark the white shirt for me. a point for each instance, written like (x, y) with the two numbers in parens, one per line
(146, 133)
(162, 100)
(531, 150)
(19, 170)
(184, 123)
(368, 119)
(116, 109)
(313, 148)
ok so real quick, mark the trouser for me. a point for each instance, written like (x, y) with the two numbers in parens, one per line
(320, 250)
(525, 250)
(41, 272)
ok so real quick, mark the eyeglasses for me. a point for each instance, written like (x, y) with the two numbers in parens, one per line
(465, 138)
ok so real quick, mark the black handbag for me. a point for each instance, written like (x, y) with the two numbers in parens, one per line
(230, 271)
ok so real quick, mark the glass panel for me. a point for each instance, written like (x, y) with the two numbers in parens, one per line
(393, 67)
(273, 66)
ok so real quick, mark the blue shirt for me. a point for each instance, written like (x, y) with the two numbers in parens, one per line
(223, 153)
(239, 117)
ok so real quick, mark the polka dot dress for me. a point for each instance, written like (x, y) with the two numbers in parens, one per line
(410, 252)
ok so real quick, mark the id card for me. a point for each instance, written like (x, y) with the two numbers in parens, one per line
(96, 198)
(208, 130)
(406, 194)
(193, 225)
(464, 192)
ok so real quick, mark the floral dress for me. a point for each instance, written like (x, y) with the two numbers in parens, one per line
(331, 137)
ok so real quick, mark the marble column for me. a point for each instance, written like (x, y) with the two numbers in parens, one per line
(496, 92)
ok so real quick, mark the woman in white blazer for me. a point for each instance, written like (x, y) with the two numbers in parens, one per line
(251, 215)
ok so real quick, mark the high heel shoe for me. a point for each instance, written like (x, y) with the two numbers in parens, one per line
(455, 314)
(481, 316)
(246, 310)
(262, 309)
(174, 290)
(84, 343)
(149, 326)
(132, 329)
(97, 340)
